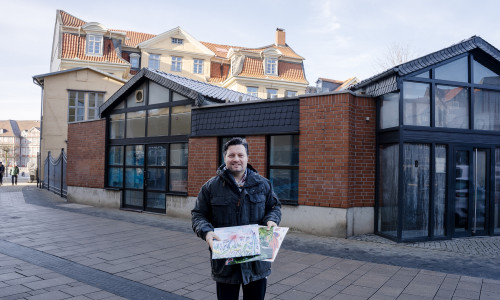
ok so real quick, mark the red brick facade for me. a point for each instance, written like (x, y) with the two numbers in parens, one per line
(86, 154)
(204, 159)
(337, 151)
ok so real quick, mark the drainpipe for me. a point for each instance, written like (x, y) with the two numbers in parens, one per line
(39, 167)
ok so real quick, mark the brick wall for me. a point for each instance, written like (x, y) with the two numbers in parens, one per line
(202, 162)
(86, 153)
(337, 151)
(203, 159)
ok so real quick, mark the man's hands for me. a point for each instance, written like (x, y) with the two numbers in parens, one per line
(271, 224)
(210, 239)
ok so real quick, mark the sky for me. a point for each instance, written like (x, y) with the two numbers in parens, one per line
(339, 39)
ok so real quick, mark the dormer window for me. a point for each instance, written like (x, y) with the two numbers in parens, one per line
(177, 41)
(271, 66)
(94, 44)
(134, 60)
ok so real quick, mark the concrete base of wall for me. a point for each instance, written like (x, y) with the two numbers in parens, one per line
(94, 197)
(326, 221)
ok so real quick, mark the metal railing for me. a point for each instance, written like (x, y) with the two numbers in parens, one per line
(54, 177)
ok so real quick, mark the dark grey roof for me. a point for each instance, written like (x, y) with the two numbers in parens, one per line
(201, 92)
(260, 117)
(386, 81)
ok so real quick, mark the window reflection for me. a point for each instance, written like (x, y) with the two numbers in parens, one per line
(457, 70)
(486, 110)
(158, 121)
(136, 124)
(388, 189)
(452, 107)
(181, 120)
(416, 104)
(117, 126)
(389, 110)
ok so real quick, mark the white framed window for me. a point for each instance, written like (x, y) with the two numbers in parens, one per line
(154, 61)
(252, 91)
(291, 93)
(134, 60)
(271, 66)
(177, 41)
(198, 66)
(94, 44)
(272, 93)
(176, 63)
(84, 105)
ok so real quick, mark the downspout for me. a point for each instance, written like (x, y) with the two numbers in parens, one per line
(39, 169)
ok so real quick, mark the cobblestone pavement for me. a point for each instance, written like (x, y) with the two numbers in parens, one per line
(51, 249)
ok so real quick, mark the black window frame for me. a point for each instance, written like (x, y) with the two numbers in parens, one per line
(293, 202)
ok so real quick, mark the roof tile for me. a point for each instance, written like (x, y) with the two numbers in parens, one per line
(74, 47)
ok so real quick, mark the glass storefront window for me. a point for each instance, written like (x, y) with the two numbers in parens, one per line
(181, 120)
(389, 110)
(117, 126)
(177, 97)
(132, 198)
(115, 177)
(134, 178)
(136, 124)
(483, 75)
(416, 179)
(283, 166)
(486, 110)
(457, 70)
(452, 107)
(115, 157)
(158, 94)
(157, 155)
(134, 155)
(416, 104)
(158, 121)
(156, 200)
(156, 178)
(388, 189)
(179, 155)
(440, 191)
(178, 180)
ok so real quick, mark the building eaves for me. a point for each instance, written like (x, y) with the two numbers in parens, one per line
(386, 77)
(199, 91)
(40, 78)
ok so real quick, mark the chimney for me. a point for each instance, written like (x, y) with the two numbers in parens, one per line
(280, 37)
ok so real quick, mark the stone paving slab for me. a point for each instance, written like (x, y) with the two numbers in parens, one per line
(163, 254)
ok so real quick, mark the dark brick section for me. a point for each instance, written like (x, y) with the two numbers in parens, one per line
(270, 117)
(120, 286)
(86, 154)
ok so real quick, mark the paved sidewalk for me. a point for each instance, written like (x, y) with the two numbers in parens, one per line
(50, 249)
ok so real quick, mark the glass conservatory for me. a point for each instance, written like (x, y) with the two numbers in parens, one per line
(438, 151)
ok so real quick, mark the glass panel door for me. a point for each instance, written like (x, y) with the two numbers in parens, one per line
(471, 191)
(156, 178)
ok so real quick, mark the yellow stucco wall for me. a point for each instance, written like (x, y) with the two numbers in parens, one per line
(55, 104)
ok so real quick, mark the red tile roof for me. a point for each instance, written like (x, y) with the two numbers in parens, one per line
(27, 125)
(134, 38)
(253, 67)
(218, 49)
(74, 47)
(69, 20)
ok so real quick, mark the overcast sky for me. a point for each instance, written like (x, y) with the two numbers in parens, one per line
(338, 38)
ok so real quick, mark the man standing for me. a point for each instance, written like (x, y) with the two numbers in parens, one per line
(237, 195)
(2, 170)
(14, 172)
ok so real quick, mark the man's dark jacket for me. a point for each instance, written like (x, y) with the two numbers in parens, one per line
(221, 204)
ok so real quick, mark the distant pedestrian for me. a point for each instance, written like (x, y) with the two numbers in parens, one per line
(14, 172)
(2, 170)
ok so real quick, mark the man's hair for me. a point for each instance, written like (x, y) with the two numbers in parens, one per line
(236, 141)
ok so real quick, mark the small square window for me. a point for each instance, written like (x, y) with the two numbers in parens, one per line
(271, 66)
(198, 66)
(94, 44)
(176, 63)
(272, 93)
(154, 61)
(177, 41)
(291, 93)
(252, 91)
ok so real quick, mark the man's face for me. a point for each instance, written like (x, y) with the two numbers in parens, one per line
(236, 159)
